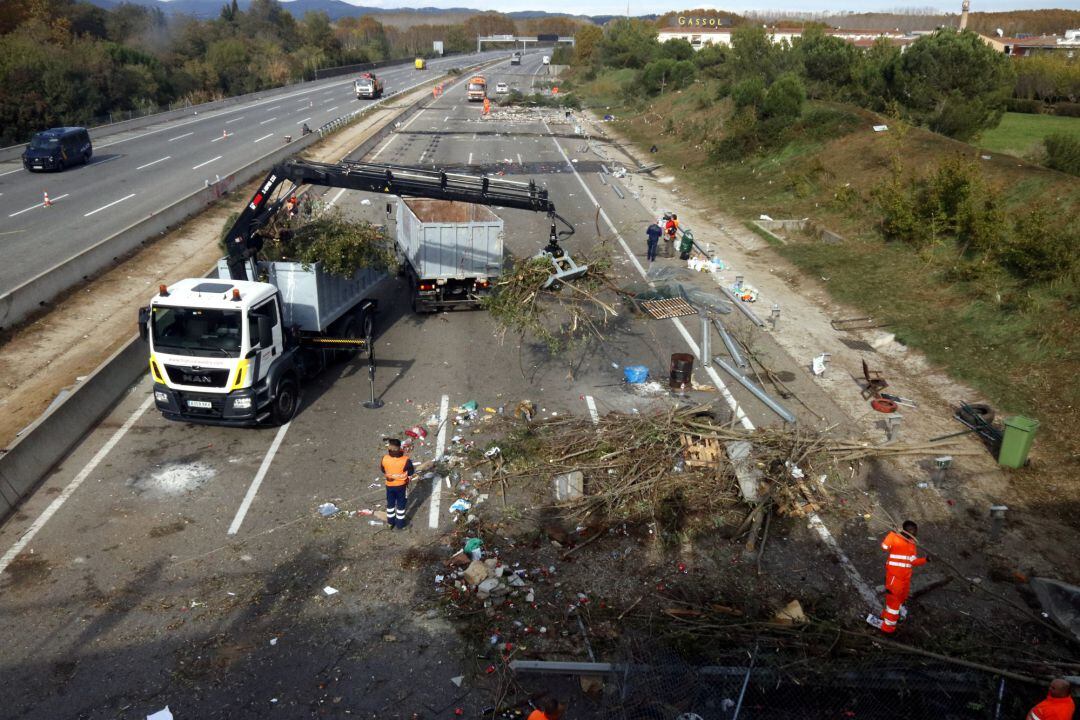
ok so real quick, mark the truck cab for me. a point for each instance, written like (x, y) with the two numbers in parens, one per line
(476, 90)
(515, 59)
(420, 64)
(368, 86)
(219, 352)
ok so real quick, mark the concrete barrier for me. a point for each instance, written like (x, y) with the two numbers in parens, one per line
(49, 439)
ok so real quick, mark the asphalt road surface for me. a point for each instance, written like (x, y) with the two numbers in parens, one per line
(187, 566)
(137, 173)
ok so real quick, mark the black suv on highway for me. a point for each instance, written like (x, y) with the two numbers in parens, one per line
(58, 148)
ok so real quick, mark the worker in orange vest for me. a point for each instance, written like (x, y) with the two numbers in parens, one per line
(398, 469)
(898, 568)
(1058, 704)
(487, 106)
(548, 708)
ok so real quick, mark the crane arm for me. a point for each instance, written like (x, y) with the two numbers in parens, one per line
(244, 242)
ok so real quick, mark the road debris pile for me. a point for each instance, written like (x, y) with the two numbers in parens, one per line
(526, 301)
(637, 465)
(339, 245)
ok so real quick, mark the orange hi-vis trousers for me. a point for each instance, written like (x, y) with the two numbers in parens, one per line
(897, 590)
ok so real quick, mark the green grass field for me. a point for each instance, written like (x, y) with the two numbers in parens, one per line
(1021, 134)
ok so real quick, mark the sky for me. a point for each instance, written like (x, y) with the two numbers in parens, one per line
(637, 7)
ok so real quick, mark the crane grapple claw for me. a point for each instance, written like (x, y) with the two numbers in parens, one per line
(565, 269)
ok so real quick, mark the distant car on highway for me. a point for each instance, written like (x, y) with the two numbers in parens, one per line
(547, 60)
(57, 149)
(502, 88)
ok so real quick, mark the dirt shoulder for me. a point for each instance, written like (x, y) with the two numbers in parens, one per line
(56, 351)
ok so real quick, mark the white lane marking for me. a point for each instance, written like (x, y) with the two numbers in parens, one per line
(155, 162)
(423, 155)
(592, 409)
(333, 108)
(264, 137)
(250, 496)
(519, 159)
(180, 137)
(11, 171)
(40, 204)
(73, 485)
(234, 120)
(263, 122)
(222, 137)
(336, 197)
(440, 447)
(813, 518)
(206, 163)
(301, 122)
(106, 207)
(395, 134)
(446, 119)
(470, 159)
(272, 108)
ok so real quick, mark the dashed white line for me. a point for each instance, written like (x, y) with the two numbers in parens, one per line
(301, 122)
(206, 163)
(180, 137)
(11, 171)
(73, 485)
(40, 204)
(333, 108)
(106, 207)
(519, 159)
(440, 447)
(272, 108)
(336, 197)
(227, 122)
(469, 162)
(222, 137)
(250, 496)
(263, 122)
(264, 137)
(395, 134)
(155, 162)
(592, 409)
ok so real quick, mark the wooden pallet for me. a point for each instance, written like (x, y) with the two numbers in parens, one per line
(668, 308)
(701, 453)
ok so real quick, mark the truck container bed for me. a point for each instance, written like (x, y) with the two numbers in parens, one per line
(311, 298)
(444, 240)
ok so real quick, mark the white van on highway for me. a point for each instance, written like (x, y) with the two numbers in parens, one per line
(547, 59)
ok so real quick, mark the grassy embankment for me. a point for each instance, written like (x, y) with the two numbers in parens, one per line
(1015, 341)
(1022, 134)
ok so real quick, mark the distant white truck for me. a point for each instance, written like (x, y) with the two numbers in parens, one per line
(547, 60)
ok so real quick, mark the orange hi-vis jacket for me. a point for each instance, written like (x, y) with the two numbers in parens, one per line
(1054, 708)
(394, 468)
(902, 556)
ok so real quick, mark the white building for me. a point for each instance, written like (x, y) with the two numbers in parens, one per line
(700, 36)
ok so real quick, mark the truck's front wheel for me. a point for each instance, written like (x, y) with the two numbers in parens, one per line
(285, 401)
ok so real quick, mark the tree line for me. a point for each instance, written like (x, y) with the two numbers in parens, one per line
(68, 62)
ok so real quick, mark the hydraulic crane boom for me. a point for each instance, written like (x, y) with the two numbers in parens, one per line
(244, 241)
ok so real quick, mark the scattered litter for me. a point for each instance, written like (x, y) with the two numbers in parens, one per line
(164, 714)
(791, 614)
(458, 680)
(416, 432)
(273, 641)
(365, 201)
(985, 157)
(460, 505)
(468, 407)
(881, 128)
(492, 452)
(364, 511)
(766, 218)
(329, 590)
(328, 509)
(817, 365)
(746, 293)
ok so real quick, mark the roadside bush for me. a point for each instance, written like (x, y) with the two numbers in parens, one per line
(749, 93)
(1042, 245)
(740, 137)
(784, 99)
(1063, 152)
(677, 49)
(1067, 109)
(1020, 105)
(827, 123)
(665, 75)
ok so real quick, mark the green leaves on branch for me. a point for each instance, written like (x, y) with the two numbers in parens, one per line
(340, 246)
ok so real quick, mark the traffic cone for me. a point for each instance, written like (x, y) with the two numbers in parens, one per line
(224, 134)
(48, 202)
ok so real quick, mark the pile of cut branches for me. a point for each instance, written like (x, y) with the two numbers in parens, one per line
(636, 465)
(340, 246)
(558, 315)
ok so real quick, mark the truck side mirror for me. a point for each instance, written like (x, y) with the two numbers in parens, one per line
(144, 324)
(266, 333)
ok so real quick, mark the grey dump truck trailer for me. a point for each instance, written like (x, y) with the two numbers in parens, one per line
(451, 252)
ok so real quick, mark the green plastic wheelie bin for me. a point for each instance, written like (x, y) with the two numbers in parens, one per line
(1019, 432)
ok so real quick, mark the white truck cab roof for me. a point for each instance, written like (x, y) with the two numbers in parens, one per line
(214, 293)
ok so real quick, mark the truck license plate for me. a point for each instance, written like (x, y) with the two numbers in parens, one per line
(205, 404)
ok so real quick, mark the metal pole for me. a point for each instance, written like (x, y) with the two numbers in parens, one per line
(742, 307)
(706, 341)
(757, 392)
(746, 681)
(732, 349)
(374, 403)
